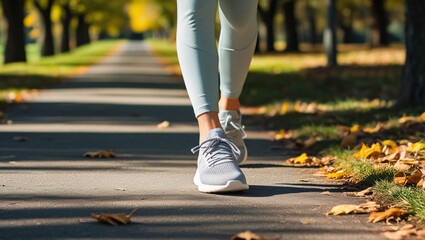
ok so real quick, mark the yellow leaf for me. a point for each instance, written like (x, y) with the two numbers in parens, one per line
(284, 108)
(416, 147)
(280, 135)
(342, 209)
(164, 124)
(393, 213)
(301, 159)
(375, 151)
(390, 143)
(360, 153)
(356, 128)
(337, 175)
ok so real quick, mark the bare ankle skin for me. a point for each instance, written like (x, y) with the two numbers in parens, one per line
(228, 104)
(206, 122)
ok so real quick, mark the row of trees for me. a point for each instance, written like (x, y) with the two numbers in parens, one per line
(342, 15)
(106, 16)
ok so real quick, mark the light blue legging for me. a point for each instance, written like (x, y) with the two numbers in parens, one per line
(197, 51)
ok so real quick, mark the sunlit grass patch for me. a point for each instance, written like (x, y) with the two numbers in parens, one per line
(41, 72)
(362, 171)
(410, 198)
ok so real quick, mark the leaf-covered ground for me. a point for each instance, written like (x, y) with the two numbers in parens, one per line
(342, 119)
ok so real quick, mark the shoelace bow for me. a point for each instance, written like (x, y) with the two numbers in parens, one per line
(210, 144)
(236, 126)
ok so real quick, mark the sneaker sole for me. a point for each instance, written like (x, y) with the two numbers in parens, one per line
(230, 186)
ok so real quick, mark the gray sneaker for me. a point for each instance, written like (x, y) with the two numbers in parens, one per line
(217, 168)
(231, 122)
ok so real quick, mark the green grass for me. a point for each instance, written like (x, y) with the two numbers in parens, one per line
(410, 198)
(362, 171)
(42, 72)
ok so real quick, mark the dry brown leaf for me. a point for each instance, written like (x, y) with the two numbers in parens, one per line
(420, 184)
(326, 193)
(367, 191)
(408, 119)
(342, 209)
(248, 235)
(114, 219)
(327, 160)
(370, 206)
(393, 213)
(400, 178)
(399, 165)
(100, 154)
(400, 234)
(304, 180)
(164, 124)
(309, 143)
(20, 139)
(349, 140)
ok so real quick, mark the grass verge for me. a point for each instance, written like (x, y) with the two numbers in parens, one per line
(44, 72)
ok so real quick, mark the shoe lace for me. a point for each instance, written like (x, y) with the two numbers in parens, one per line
(212, 152)
(236, 127)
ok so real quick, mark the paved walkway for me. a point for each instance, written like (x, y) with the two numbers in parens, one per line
(48, 190)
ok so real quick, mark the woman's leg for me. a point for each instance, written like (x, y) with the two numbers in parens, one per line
(197, 53)
(236, 47)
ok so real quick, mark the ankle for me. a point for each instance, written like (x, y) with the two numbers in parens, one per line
(228, 104)
(206, 122)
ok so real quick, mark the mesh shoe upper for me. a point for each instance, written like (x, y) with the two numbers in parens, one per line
(217, 159)
(231, 121)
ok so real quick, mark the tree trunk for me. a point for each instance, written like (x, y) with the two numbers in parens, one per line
(15, 39)
(290, 26)
(66, 21)
(83, 36)
(48, 48)
(379, 23)
(413, 84)
(311, 15)
(330, 33)
(268, 19)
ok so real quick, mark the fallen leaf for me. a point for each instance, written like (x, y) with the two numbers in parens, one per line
(370, 206)
(349, 140)
(309, 143)
(400, 166)
(337, 175)
(367, 191)
(164, 124)
(100, 154)
(304, 180)
(248, 235)
(400, 234)
(400, 178)
(416, 147)
(326, 193)
(114, 219)
(342, 209)
(393, 213)
(356, 128)
(20, 139)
